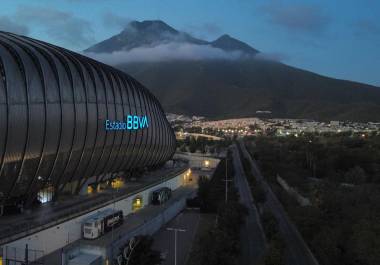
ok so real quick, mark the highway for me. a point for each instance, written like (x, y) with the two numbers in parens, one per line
(252, 234)
(298, 251)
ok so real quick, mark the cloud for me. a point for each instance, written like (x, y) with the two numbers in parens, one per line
(366, 28)
(204, 30)
(110, 19)
(304, 18)
(60, 26)
(8, 24)
(165, 52)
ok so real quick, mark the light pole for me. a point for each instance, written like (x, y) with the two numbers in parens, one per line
(176, 230)
(114, 207)
(226, 181)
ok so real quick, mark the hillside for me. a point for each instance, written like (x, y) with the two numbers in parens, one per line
(237, 87)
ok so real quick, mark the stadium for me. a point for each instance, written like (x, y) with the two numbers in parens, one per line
(56, 112)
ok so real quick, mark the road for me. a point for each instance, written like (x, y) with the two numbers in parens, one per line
(298, 251)
(252, 234)
(164, 239)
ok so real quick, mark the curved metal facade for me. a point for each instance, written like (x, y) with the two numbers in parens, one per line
(53, 107)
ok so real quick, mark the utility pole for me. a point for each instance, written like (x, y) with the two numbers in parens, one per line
(226, 182)
(114, 207)
(26, 254)
(176, 230)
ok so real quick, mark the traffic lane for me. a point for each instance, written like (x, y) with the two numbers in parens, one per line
(252, 233)
(164, 239)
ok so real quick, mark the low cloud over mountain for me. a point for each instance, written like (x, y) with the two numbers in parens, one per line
(152, 41)
(166, 52)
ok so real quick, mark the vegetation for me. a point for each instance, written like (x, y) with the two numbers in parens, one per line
(140, 252)
(259, 194)
(221, 243)
(275, 254)
(211, 192)
(247, 169)
(340, 174)
(276, 247)
(202, 144)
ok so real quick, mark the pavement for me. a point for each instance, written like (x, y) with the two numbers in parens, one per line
(164, 239)
(298, 251)
(252, 234)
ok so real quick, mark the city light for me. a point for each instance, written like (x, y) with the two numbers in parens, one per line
(137, 203)
(117, 183)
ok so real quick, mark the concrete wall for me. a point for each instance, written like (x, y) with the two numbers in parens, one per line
(303, 201)
(112, 251)
(57, 237)
(148, 228)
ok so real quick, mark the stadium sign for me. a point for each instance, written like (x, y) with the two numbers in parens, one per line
(131, 122)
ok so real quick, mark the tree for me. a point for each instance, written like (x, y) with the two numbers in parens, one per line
(270, 225)
(141, 252)
(275, 254)
(183, 148)
(212, 150)
(366, 240)
(355, 175)
(204, 193)
(259, 194)
(193, 145)
(231, 216)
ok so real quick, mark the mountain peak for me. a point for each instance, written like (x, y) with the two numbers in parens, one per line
(150, 33)
(228, 43)
(224, 37)
(150, 25)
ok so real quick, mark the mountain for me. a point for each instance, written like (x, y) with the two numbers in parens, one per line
(227, 43)
(221, 87)
(143, 34)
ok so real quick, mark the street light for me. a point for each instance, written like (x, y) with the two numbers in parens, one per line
(114, 207)
(226, 181)
(176, 230)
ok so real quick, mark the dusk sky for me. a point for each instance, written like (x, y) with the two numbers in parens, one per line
(340, 39)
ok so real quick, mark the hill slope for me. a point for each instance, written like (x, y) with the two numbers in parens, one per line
(219, 88)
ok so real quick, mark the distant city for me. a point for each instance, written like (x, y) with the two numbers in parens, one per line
(258, 126)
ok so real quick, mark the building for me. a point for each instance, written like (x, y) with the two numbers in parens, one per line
(67, 121)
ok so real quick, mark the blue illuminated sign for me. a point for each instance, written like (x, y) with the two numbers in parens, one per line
(131, 122)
